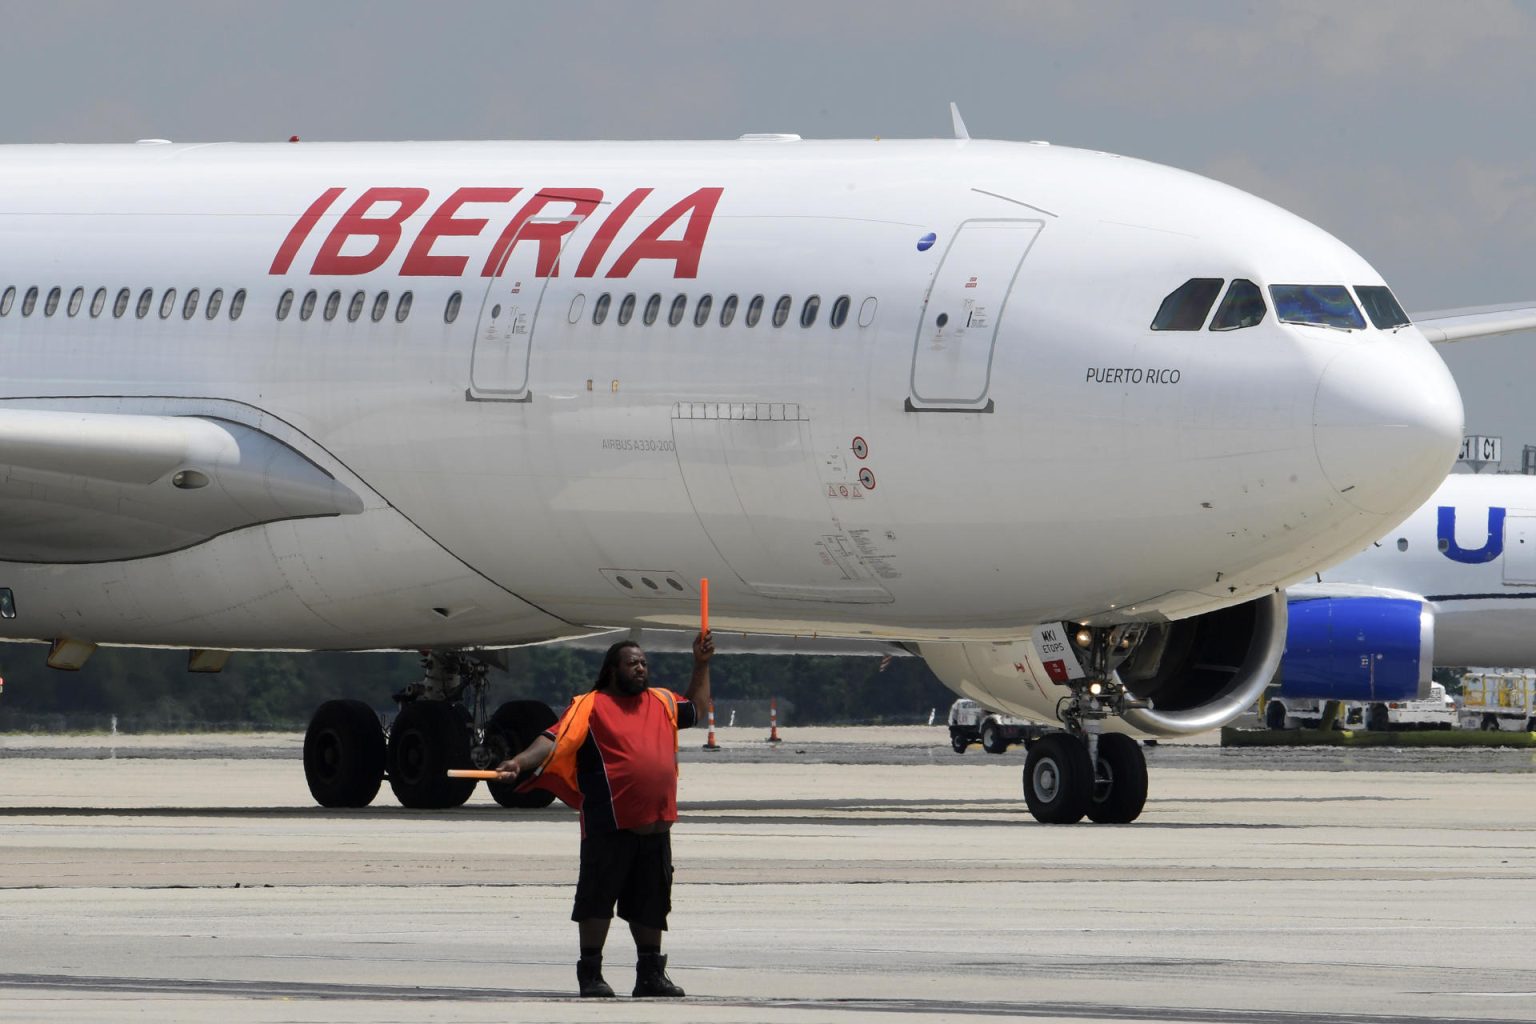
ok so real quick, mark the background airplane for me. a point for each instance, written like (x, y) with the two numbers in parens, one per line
(1453, 585)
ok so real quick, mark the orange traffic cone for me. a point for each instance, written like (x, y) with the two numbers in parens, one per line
(710, 743)
(773, 720)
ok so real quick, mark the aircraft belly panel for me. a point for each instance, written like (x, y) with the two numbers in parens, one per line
(751, 476)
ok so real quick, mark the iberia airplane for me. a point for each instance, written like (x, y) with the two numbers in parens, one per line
(1060, 421)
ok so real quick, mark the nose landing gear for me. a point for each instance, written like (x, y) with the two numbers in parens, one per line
(1084, 771)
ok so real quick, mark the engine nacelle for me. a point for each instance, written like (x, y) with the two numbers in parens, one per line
(1358, 649)
(1199, 673)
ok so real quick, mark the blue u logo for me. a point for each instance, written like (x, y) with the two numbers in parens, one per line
(1492, 547)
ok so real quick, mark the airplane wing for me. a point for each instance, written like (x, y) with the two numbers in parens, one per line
(94, 487)
(1445, 326)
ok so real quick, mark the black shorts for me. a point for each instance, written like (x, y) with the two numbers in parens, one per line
(633, 870)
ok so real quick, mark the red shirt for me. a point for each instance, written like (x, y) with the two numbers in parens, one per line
(627, 767)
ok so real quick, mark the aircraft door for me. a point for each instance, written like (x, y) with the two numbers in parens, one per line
(503, 349)
(952, 357)
(1519, 549)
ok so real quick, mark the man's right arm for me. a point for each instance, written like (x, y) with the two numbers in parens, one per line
(522, 764)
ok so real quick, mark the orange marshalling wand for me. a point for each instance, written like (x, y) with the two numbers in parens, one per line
(473, 773)
(704, 605)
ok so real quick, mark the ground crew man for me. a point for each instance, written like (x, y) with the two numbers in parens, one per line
(613, 756)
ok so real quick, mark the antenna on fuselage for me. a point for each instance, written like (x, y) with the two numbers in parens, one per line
(954, 114)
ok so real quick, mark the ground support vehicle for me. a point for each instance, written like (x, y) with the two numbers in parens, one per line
(1502, 699)
(1437, 711)
(969, 723)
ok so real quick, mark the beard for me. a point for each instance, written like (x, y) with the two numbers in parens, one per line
(629, 687)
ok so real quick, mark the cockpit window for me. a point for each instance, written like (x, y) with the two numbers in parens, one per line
(1317, 305)
(1186, 306)
(1243, 307)
(1381, 306)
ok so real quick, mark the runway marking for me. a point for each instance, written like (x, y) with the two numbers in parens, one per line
(922, 1007)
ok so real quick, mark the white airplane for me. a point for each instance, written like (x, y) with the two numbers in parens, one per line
(987, 399)
(1453, 585)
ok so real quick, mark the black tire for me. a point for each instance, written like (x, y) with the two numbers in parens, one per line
(1530, 726)
(1120, 784)
(1490, 723)
(992, 740)
(344, 754)
(958, 740)
(1058, 779)
(1274, 715)
(1377, 719)
(516, 724)
(428, 738)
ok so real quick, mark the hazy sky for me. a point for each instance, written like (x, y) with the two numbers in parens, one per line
(1408, 129)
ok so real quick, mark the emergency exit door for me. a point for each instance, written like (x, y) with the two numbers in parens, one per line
(957, 333)
(509, 311)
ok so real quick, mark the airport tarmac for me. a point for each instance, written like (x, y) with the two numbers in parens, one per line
(825, 879)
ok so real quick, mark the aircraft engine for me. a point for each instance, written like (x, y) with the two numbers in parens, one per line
(1197, 673)
(1358, 649)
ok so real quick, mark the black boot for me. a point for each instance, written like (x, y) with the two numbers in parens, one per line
(589, 974)
(651, 977)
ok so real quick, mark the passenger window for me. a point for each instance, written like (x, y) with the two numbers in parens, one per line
(1381, 306)
(652, 310)
(51, 303)
(1242, 307)
(450, 312)
(167, 303)
(355, 307)
(627, 309)
(284, 304)
(728, 311)
(809, 310)
(1316, 305)
(380, 306)
(189, 308)
(215, 300)
(333, 304)
(7, 300)
(754, 310)
(307, 307)
(839, 314)
(1186, 306)
(701, 311)
(578, 306)
(147, 302)
(867, 310)
(29, 301)
(237, 304)
(679, 308)
(600, 308)
(403, 307)
(120, 304)
(76, 297)
(98, 303)
(781, 310)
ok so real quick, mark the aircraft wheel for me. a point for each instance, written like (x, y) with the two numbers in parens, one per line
(992, 739)
(1058, 779)
(1120, 782)
(959, 742)
(1376, 718)
(1274, 715)
(344, 754)
(428, 738)
(518, 723)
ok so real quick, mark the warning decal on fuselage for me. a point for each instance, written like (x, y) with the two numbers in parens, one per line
(1056, 654)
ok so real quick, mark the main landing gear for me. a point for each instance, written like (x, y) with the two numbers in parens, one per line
(442, 724)
(1084, 771)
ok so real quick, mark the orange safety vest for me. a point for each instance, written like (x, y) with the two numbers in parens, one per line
(558, 772)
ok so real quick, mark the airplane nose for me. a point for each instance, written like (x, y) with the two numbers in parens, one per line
(1387, 424)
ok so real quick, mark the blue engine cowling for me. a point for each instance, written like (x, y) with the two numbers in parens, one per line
(1358, 649)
